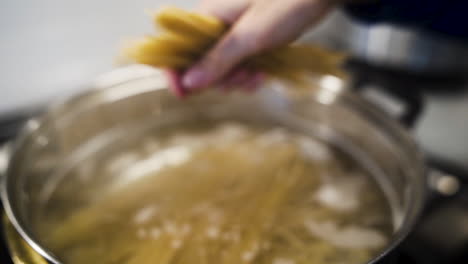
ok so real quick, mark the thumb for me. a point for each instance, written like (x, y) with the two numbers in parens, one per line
(263, 26)
(228, 11)
(236, 45)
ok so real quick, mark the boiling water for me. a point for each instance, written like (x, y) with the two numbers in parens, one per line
(226, 194)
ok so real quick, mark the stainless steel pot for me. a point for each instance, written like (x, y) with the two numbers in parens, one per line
(129, 102)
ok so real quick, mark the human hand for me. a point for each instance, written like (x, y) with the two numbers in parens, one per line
(257, 26)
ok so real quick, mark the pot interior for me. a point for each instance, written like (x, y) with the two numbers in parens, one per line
(82, 151)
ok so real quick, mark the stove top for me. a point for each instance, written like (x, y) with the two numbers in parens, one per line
(441, 236)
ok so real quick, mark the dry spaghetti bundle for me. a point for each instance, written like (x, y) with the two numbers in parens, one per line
(185, 36)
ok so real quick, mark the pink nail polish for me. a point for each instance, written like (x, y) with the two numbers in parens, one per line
(175, 83)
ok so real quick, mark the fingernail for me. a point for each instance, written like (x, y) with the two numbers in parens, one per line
(194, 79)
(255, 83)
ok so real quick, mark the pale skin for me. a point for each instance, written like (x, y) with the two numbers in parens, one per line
(256, 26)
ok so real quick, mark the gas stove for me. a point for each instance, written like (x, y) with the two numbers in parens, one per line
(441, 236)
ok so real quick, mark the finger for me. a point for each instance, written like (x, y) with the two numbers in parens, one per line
(273, 27)
(226, 88)
(242, 79)
(238, 77)
(228, 11)
(235, 80)
(227, 53)
(175, 84)
(254, 83)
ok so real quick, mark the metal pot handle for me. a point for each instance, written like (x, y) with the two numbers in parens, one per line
(406, 110)
(397, 96)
